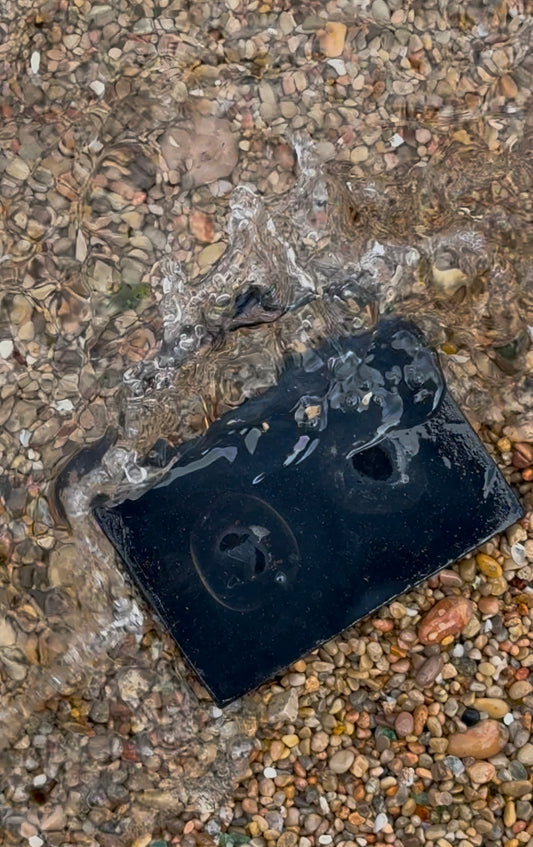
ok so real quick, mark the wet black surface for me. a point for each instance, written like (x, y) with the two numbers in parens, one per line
(353, 479)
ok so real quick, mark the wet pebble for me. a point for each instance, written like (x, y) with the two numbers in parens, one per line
(447, 618)
(332, 39)
(489, 566)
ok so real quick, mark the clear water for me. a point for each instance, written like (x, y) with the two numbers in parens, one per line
(156, 348)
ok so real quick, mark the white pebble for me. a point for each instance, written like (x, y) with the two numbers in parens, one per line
(6, 348)
(35, 62)
(325, 839)
(396, 140)
(380, 822)
(270, 773)
(65, 405)
(216, 712)
(508, 719)
(24, 437)
(458, 651)
(518, 554)
(338, 66)
(98, 87)
(40, 779)
(35, 841)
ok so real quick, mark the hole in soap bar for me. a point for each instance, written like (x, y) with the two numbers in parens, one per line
(242, 548)
(374, 463)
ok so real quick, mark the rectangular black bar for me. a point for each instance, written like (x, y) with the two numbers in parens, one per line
(353, 479)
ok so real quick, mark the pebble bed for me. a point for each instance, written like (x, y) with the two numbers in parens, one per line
(124, 129)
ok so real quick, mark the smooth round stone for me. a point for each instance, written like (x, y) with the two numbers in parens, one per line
(447, 618)
(380, 11)
(493, 706)
(276, 750)
(470, 717)
(518, 771)
(525, 755)
(481, 772)
(488, 566)
(319, 742)
(341, 761)
(429, 671)
(404, 724)
(519, 690)
(311, 822)
(516, 788)
(482, 741)
(488, 605)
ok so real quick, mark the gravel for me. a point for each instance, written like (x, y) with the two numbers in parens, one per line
(126, 129)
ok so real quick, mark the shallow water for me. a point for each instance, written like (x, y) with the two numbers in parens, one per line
(116, 324)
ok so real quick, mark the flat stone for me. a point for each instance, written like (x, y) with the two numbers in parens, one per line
(481, 772)
(319, 742)
(482, 741)
(99, 712)
(493, 706)
(489, 566)
(520, 689)
(283, 707)
(404, 724)
(341, 761)
(488, 605)
(7, 633)
(380, 11)
(311, 822)
(332, 41)
(359, 154)
(525, 754)
(18, 169)
(447, 617)
(516, 787)
(429, 671)
(210, 254)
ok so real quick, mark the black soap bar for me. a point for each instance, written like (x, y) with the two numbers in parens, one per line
(304, 510)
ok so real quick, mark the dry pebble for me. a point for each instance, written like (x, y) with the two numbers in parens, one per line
(482, 741)
(519, 690)
(525, 755)
(404, 724)
(493, 706)
(481, 772)
(342, 761)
